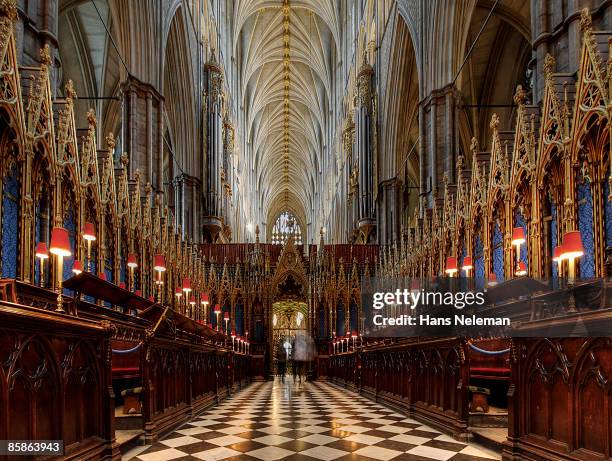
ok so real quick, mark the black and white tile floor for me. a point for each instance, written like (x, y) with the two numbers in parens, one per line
(312, 421)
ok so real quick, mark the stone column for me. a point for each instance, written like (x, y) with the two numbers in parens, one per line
(213, 145)
(363, 136)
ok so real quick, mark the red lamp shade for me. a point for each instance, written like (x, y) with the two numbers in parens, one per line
(518, 236)
(233, 334)
(178, 292)
(348, 335)
(192, 300)
(60, 242)
(151, 298)
(522, 269)
(572, 245)
(467, 263)
(451, 265)
(122, 285)
(77, 267)
(217, 309)
(557, 254)
(492, 279)
(226, 316)
(41, 250)
(138, 293)
(186, 285)
(354, 334)
(132, 261)
(204, 298)
(89, 232)
(101, 275)
(159, 263)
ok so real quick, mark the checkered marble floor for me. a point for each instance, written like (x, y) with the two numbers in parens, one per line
(311, 421)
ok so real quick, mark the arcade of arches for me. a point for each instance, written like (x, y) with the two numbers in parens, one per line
(190, 186)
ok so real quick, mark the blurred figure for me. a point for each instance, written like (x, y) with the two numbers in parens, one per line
(281, 360)
(303, 355)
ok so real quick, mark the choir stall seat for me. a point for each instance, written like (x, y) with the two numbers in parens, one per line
(489, 372)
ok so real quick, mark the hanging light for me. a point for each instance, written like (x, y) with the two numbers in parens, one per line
(521, 269)
(77, 267)
(89, 232)
(451, 266)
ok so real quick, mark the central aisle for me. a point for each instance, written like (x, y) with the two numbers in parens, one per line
(311, 421)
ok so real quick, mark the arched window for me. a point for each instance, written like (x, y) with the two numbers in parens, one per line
(286, 225)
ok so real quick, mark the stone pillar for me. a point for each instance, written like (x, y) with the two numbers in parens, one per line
(363, 135)
(213, 145)
(143, 116)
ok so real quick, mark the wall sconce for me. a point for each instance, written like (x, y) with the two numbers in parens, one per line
(467, 265)
(89, 235)
(159, 265)
(217, 313)
(42, 254)
(132, 263)
(77, 267)
(572, 248)
(60, 247)
(518, 238)
(451, 266)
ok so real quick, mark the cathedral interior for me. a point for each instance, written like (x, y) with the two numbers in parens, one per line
(194, 190)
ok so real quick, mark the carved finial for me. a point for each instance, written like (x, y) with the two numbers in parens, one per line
(124, 159)
(148, 188)
(137, 174)
(70, 91)
(586, 22)
(45, 55)
(549, 65)
(474, 147)
(8, 9)
(257, 233)
(460, 162)
(520, 96)
(91, 118)
(494, 125)
(110, 141)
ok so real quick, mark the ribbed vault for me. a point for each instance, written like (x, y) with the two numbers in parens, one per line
(288, 169)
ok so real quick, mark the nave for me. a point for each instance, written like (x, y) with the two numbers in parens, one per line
(276, 420)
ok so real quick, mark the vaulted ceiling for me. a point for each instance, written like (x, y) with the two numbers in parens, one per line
(286, 90)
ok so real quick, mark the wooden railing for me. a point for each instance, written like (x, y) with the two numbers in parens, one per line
(426, 378)
(57, 378)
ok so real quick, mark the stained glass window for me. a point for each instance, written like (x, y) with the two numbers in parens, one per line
(585, 225)
(10, 222)
(286, 225)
